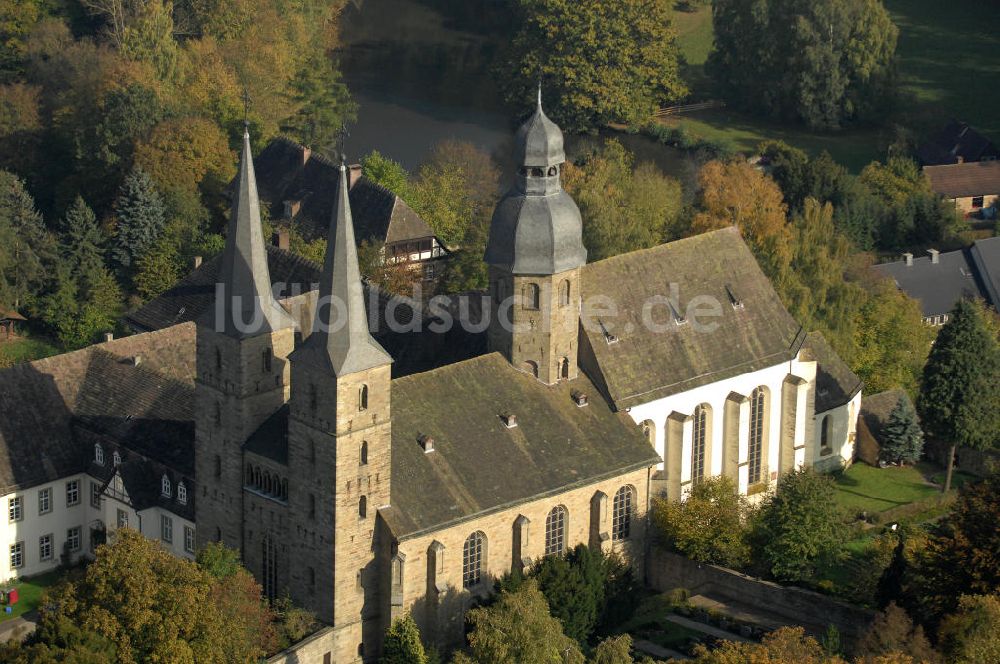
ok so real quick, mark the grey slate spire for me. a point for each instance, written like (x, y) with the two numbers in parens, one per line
(536, 227)
(340, 337)
(244, 284)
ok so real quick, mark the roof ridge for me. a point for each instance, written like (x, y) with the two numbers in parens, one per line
(492, 356)
(659, 247)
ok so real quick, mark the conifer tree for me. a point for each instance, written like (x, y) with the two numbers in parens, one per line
(25, 245)
(81, 242)
(141, 217)
(959, 401)
(402, 643)
(903, 440)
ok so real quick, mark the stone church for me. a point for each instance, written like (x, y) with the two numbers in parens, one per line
(368, 473)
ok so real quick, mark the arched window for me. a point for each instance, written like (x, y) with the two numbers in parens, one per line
(621, 513)
(553, 171)
(532, 368)
(182, 493)
(267, 482)
(564, 368)
(564, 291)
(757, 414)
(649, 431)
(269, 568)
(266, 357)
(530, 297)
(98, 454)
(116, 459)
(364, 452)
(363, 507)
(258, 480)
(699, 435)
(472, 559)
(363, 398)
(826, 436)
(555, 531)
(165, 486)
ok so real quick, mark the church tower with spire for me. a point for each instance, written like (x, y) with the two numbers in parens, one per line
(535, 252)
(339, 451)
(242, 371)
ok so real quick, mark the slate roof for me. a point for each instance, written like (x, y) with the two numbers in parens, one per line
(479, 466)
(955, 140)
(141, 479)
(985, 256)
(876, 409)
(980, 178)
(643, 365)
(836, 384)
(284, 173)
(938, 286)
(43, 402)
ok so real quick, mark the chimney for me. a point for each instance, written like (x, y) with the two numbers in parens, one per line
(426, 442)
(280, 238)
(935, 256)
(197, 262)
(353, 174)
(306, 153)
(136, 360)
(109, 336)
(579, 398)
(908, 257)
(959, 159)
(509, 420)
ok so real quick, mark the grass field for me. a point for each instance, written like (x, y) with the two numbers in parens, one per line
(30, 593)
(949, 66)
(26, 349)
(862, 487)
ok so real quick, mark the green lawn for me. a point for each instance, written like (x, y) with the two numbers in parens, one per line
(949, 66)
(30, 593)
(862, 487)
(27, 348)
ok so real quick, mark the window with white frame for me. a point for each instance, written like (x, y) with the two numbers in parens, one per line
(16, 555)
(621, 513)
(756, 465)
(166, 529)
(44, 500)
(73, 538)
(116, 458)
(472, 559)
(555, 531)
(98, 454)
(122, 518)
(182, 493)
(189, 539)
(95, 494)
(15, 508)
(165, 487)
(72, 493)
(45, 547)
(699, 433)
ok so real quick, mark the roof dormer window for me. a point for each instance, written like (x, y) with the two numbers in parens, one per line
(165, 488)
(116, 459)
(182, 493)
(98, 454)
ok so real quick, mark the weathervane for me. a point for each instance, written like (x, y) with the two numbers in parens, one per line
(246, 109)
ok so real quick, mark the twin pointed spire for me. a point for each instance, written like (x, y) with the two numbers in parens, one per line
(245, 306)
(340, 338)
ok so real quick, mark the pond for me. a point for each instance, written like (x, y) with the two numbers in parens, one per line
(419, 79)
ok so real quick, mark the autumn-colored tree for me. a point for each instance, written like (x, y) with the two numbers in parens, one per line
(971, 635)
(737, 194)
(187, 154)
(786, 645)
(892, 631)
(623, 208)
(599, 61)
(710, 526)
(377, 268)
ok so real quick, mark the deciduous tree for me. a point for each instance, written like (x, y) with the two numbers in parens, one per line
(599, 61)
(402, 643)
(710, 526)
(971, 635)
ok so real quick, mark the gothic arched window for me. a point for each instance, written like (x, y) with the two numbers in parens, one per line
(564, 368)
(363, 398)
(826, 436)
(758, 401)
(218, 360)
(621, 513)
(564, 293)
(472, 559)
(555, 531)
(699, 441)
(364, 452)
(531, 297)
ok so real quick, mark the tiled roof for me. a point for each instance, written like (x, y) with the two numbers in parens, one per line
(979, 178)
(644, 364)
(836, 384)
(97, 387)
(479, 465)
(986, 259)
(283, 174)
(938, 286)
(955, 140)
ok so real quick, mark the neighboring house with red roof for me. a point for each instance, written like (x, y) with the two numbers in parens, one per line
(972, 187)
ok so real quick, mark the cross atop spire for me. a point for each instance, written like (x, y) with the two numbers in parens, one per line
(539, 94)
(244, 304)
(343, 135)
(340, 338)
(246, 110)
